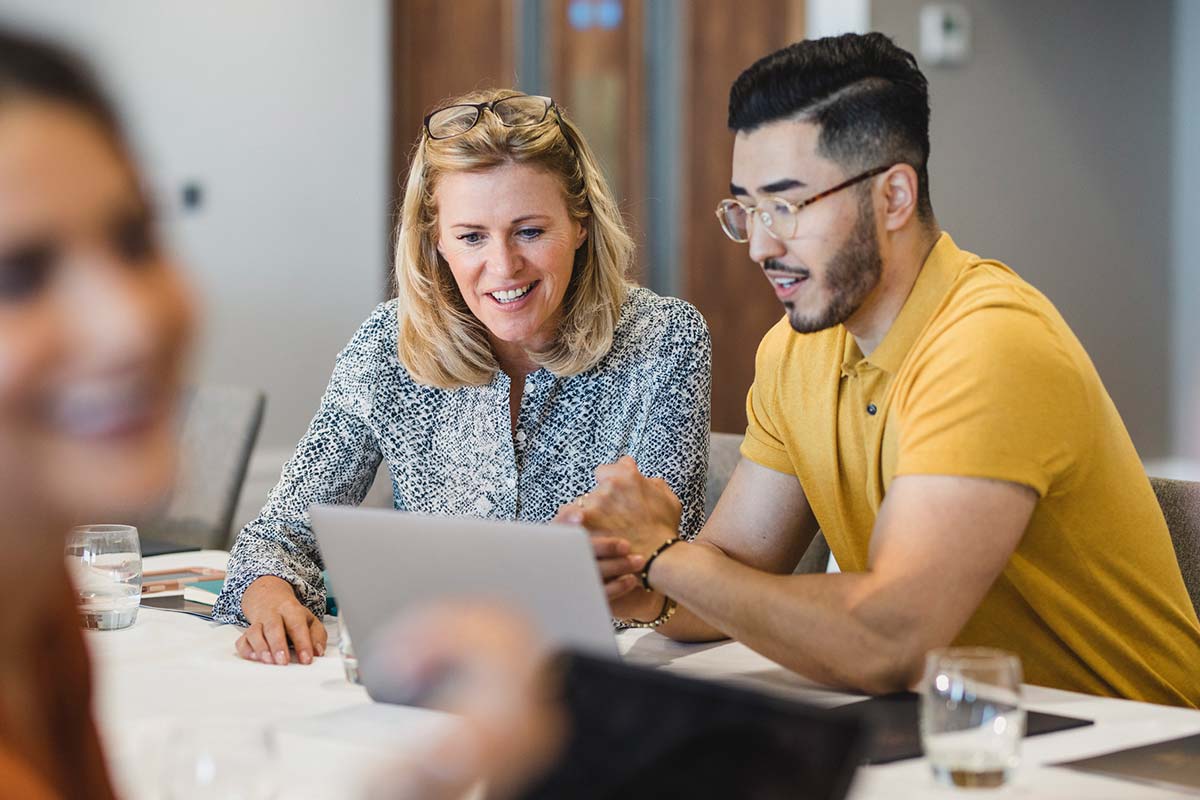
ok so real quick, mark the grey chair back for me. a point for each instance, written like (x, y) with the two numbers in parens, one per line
(724, 452)
(1180, 501)
(220, 427)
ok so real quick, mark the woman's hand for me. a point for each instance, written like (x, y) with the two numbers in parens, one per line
(276, 617)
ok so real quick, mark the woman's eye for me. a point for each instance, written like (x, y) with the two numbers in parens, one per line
(25, 271)
(530, 233)
(471, 238)
(135, 240)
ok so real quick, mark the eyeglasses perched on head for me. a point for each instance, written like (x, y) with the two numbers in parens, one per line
(515, 111)
(777, 216)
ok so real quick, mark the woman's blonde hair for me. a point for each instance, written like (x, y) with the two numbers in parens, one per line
(441, 342)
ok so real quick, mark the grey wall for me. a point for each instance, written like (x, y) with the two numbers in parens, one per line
(1186, 229)
(1051, 150)
(279, 109)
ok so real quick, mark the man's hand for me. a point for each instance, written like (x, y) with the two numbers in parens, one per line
(626, 511)
(276, 617)
(627, 505)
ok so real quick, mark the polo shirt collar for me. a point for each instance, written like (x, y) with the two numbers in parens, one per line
(941, 268)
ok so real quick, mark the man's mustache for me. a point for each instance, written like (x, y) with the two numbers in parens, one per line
(776, 266)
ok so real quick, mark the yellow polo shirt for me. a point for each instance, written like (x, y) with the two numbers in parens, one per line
(981, 376)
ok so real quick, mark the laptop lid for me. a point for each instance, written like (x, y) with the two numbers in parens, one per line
(382, 563)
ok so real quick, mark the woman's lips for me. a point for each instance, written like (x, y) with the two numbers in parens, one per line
(518, 303)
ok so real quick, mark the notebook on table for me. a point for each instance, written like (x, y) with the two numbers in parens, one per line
(895, 723)
(189, 590)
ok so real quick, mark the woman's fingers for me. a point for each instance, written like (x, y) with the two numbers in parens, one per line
(244, 649)
(257, 643)
(276, 635)
(295, 623)
(609, 547)
(612, 568)
(619, 587)
(318, 634)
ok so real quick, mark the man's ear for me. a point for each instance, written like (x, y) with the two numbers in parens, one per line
(900, 192)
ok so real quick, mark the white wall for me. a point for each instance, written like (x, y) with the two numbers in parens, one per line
(1185, 249)
(279, 109)
(834, 17)
(1051, 150)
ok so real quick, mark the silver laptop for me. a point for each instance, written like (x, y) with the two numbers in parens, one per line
(382, 563)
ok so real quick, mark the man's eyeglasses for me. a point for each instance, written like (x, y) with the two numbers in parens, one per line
(777, 216)
(515, 111)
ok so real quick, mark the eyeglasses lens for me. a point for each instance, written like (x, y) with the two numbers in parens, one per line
(735, 222)
(523, 110)
(452, 121)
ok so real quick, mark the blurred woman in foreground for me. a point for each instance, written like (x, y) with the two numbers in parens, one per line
(94, 324)
(94, 321)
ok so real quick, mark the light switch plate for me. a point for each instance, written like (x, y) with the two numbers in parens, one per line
(945, 34)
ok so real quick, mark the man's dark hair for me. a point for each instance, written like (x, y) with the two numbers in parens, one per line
(37, 70)
(866, 94)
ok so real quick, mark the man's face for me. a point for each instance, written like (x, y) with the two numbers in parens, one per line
(823, 274)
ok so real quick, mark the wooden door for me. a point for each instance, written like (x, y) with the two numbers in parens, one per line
(441, 49)
(720, 40)
(598, 72)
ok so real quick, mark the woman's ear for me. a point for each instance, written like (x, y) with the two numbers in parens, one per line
(583, 234)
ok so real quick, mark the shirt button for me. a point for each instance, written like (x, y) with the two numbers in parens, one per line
(511, 483)
(520, 436)
(871, 409)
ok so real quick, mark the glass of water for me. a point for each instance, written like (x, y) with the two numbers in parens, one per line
(105, 563)
(346, 649)
(972, 721)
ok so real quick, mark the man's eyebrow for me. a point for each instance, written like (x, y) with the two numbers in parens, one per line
(775, 187)
(781, 186)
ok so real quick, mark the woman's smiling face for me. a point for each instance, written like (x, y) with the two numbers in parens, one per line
(94, 318)
(510, 243)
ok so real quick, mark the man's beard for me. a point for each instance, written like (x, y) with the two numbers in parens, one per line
(851, 275)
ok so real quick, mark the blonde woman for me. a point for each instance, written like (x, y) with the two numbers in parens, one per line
(516, 359)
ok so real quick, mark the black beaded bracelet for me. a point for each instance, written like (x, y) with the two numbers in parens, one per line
(645, 576)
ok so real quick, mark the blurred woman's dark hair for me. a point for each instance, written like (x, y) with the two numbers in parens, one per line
(49, 746)
(34, 69)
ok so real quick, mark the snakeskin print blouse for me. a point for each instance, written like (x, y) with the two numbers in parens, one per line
(454, 451)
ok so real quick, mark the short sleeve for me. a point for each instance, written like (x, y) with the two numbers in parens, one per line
(996, 394)
(764, 443)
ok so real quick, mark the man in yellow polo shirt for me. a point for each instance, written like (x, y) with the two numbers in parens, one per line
(928, 409)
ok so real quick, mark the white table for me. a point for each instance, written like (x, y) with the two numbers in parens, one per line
(170, 670)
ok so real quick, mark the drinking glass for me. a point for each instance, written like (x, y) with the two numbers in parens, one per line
(972, 721)
(105, 563)
(217, 759)
(346, 649)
